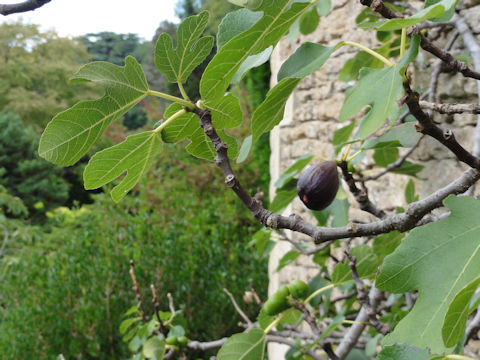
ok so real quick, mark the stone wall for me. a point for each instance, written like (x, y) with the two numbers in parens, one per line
(311, 119)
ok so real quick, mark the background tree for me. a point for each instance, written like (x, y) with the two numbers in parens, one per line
(35, 71)
(22, 172)
(112, 47)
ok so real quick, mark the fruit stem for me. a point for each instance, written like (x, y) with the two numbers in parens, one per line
(315, 293)
(274, 323)
(347, 152)
(354, 156)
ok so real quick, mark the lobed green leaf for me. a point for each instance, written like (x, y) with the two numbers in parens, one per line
(438, 260)
(134, 156)
(71, 133)
(177, 64)
(277, 19)
(380, 90)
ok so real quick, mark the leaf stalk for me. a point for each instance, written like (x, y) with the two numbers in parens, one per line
(403, 41)
(366, 49)
(181, 101)
(182, 91)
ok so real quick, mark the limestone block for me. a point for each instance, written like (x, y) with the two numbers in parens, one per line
(471, 15)
(461, 120)
(311, 146)
(439, 174)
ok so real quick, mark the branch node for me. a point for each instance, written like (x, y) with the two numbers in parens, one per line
(272, 221)
(419, 128)
(208, 128)
(230, 180)
(447, 134)
(352, 228)
(221, 145)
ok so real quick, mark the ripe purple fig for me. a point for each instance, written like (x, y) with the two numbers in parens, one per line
(318, 185)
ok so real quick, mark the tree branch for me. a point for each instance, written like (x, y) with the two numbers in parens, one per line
(136, 290)
(24, 6)
(451, 108)
(354, 332)
(361, 196)
(428, 127)
(371, 310)
(425, 43)
(401, 222)
(379, 6)
(237, 308)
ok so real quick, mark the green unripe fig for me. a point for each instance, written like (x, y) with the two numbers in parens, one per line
(283, 291)
(171, 340)
(299, 289)
(277, 302)
(182, 341)
(318, 185)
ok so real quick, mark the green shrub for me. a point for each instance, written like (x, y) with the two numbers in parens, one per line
(188, 236)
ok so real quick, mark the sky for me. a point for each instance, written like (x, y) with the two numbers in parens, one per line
(78, 17)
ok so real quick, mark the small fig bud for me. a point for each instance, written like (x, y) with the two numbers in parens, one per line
(318, 185)
(248, 297)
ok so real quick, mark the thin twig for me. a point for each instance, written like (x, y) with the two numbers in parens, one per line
(138, 296)
(237, 308)
(379, 6)
(425, 43)
(428, 127)
(451, 108)
(171, 306)
(446, 57)
(309, 318)
(156, 306)
(361, 196)
(254, 293)
(396, 164)
(437, 70)
(364, 298)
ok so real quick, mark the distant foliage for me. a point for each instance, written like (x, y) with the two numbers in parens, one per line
(35, 71)
(112, 47)
(183, 240)
(22, 172)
